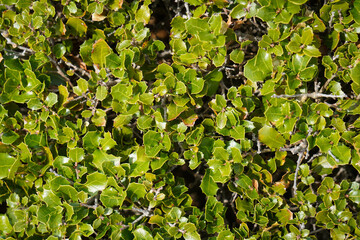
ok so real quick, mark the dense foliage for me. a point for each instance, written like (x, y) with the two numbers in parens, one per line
(195, 119)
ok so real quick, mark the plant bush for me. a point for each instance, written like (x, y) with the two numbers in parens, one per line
(195, 119)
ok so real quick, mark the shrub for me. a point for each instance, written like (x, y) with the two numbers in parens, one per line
(189, 119)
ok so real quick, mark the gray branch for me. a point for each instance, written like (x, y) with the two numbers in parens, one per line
(310, 95)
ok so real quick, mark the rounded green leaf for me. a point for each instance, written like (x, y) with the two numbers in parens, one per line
(100, 50)
(208, 185)
(271, 137)
(96, 182)
(260, 67)
(77, 25)
(110, 197)
(101, 92)
(237, 56)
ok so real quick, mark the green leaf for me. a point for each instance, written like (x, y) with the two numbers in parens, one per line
(298, 2)
(238, 11)
(96, 182)
(85, 52)
(76, 154)
(271, 137)
(342, 153)
(312, 51)
(174, 111)
(107, 142)
(77, 25)
(208, 185)
(221, 120)
(69, 192)
(113, 61)
(225, 235)
(8, 166)
(50, 198)
(195, 26)
(152, 142)
(121, 92)
(144, 122)
(100, 50)
(355, 77)
(238, 132)
(59, 50)
(142, 234)
(354, 195)
(34, 104)
(284, 216)
(110, 197)
(191, 235)
(51, 99)
(101, 92)
(34, 140)
(188, 58)
(13, 78)
(86, 229)
(237, 56)
(147, 98)
(197, 85)
(91, 140)
(355, 11)
(5, 226)
(135, 191)
(143, 14)
(9, 137)
(307, 36)
(260, 67)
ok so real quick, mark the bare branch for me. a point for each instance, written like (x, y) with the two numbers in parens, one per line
(188, 13)
(322, 89)
(59, 71)
(82, 71)
(300, 156)
(313, 95)
(59, 175)
(333, 156)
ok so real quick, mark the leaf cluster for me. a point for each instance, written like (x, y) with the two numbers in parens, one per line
(239, 121)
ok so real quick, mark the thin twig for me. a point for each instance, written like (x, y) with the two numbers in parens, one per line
(59, 175)
(322, 89)
(317, 231)
(333, 156)
(82, 71)
(314, 156)
(14, 45)
(300, 156)
(188, 13)
(88, 206)
(309, 95)
(59, 70)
